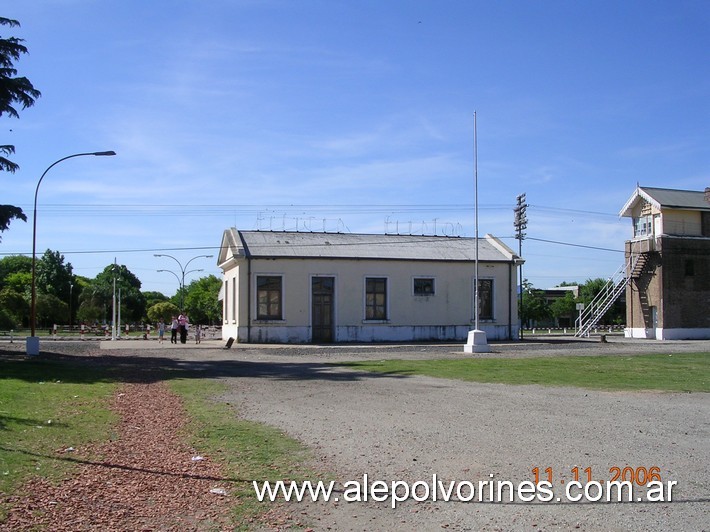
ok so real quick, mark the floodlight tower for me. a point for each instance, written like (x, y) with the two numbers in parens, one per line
(520, 223)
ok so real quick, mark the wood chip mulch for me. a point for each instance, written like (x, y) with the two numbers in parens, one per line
(146, 478)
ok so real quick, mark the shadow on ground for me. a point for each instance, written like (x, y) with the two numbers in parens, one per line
(79, 368)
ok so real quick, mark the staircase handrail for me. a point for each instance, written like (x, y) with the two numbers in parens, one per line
(606, 297)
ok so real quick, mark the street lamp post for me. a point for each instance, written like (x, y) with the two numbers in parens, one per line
(32, 345)
(181, 283)
(182, 270)
(71, 290)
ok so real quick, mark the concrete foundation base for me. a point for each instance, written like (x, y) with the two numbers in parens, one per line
(477, 342)
(32, 345)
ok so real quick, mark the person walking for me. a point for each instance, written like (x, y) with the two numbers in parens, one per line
(183, 323)
(161, 330)
(174, 330)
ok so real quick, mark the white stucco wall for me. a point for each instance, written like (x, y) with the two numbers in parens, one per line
(446, 315)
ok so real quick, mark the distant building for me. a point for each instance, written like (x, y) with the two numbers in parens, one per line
(553, 294)
(293, 287)
(668, 264)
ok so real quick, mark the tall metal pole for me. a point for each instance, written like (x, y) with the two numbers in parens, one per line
(477, 342)
(71, 290)
(475, 180)
(522, 288)
(118, 315)
(113, 308)
(32, 345)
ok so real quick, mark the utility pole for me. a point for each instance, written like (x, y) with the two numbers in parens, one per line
(113, 307)
(520, 222)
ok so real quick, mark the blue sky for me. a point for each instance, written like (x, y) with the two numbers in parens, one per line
(354, 116)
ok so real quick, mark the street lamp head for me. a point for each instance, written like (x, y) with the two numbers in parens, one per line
(104, 153)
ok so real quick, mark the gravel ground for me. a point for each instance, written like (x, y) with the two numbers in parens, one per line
(394, 428)
(410, 428)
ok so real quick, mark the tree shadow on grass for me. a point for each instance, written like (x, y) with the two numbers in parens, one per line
(124, 467)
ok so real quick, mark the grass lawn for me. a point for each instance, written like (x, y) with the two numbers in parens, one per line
(247, 450)
(687, 372)
(48, 405)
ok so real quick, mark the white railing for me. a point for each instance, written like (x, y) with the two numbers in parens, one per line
(593, 312)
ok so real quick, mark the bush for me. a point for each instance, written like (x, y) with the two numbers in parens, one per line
(164, 310)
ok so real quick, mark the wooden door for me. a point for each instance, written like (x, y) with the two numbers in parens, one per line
(322, 309)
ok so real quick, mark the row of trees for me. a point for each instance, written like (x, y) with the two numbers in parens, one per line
(538, 311)
(65, 298)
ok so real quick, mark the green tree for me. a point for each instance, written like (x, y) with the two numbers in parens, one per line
(534, 308)
(20, 282)
(7, 321)
(50, 310)
(91, 310)
(53, 276)
(564, 308)
(591, 289)
(179, 298)
(127, 285)
(164, 310)
(15, 309)
(15, 285)
(201, 303)
(14, 264)
(94, 301)
(13, 90)
(153, 298)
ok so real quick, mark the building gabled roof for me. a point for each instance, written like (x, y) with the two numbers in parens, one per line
(289, 244)
(666, 198)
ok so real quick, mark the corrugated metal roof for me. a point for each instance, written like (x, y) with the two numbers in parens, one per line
(668, 199)
(285, 244)
(678, 199)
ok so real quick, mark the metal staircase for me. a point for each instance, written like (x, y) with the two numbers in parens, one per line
(593, 312)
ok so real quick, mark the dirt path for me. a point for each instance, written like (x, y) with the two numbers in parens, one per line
(145, 479)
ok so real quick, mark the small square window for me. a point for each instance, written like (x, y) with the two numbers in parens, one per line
(424, 286)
